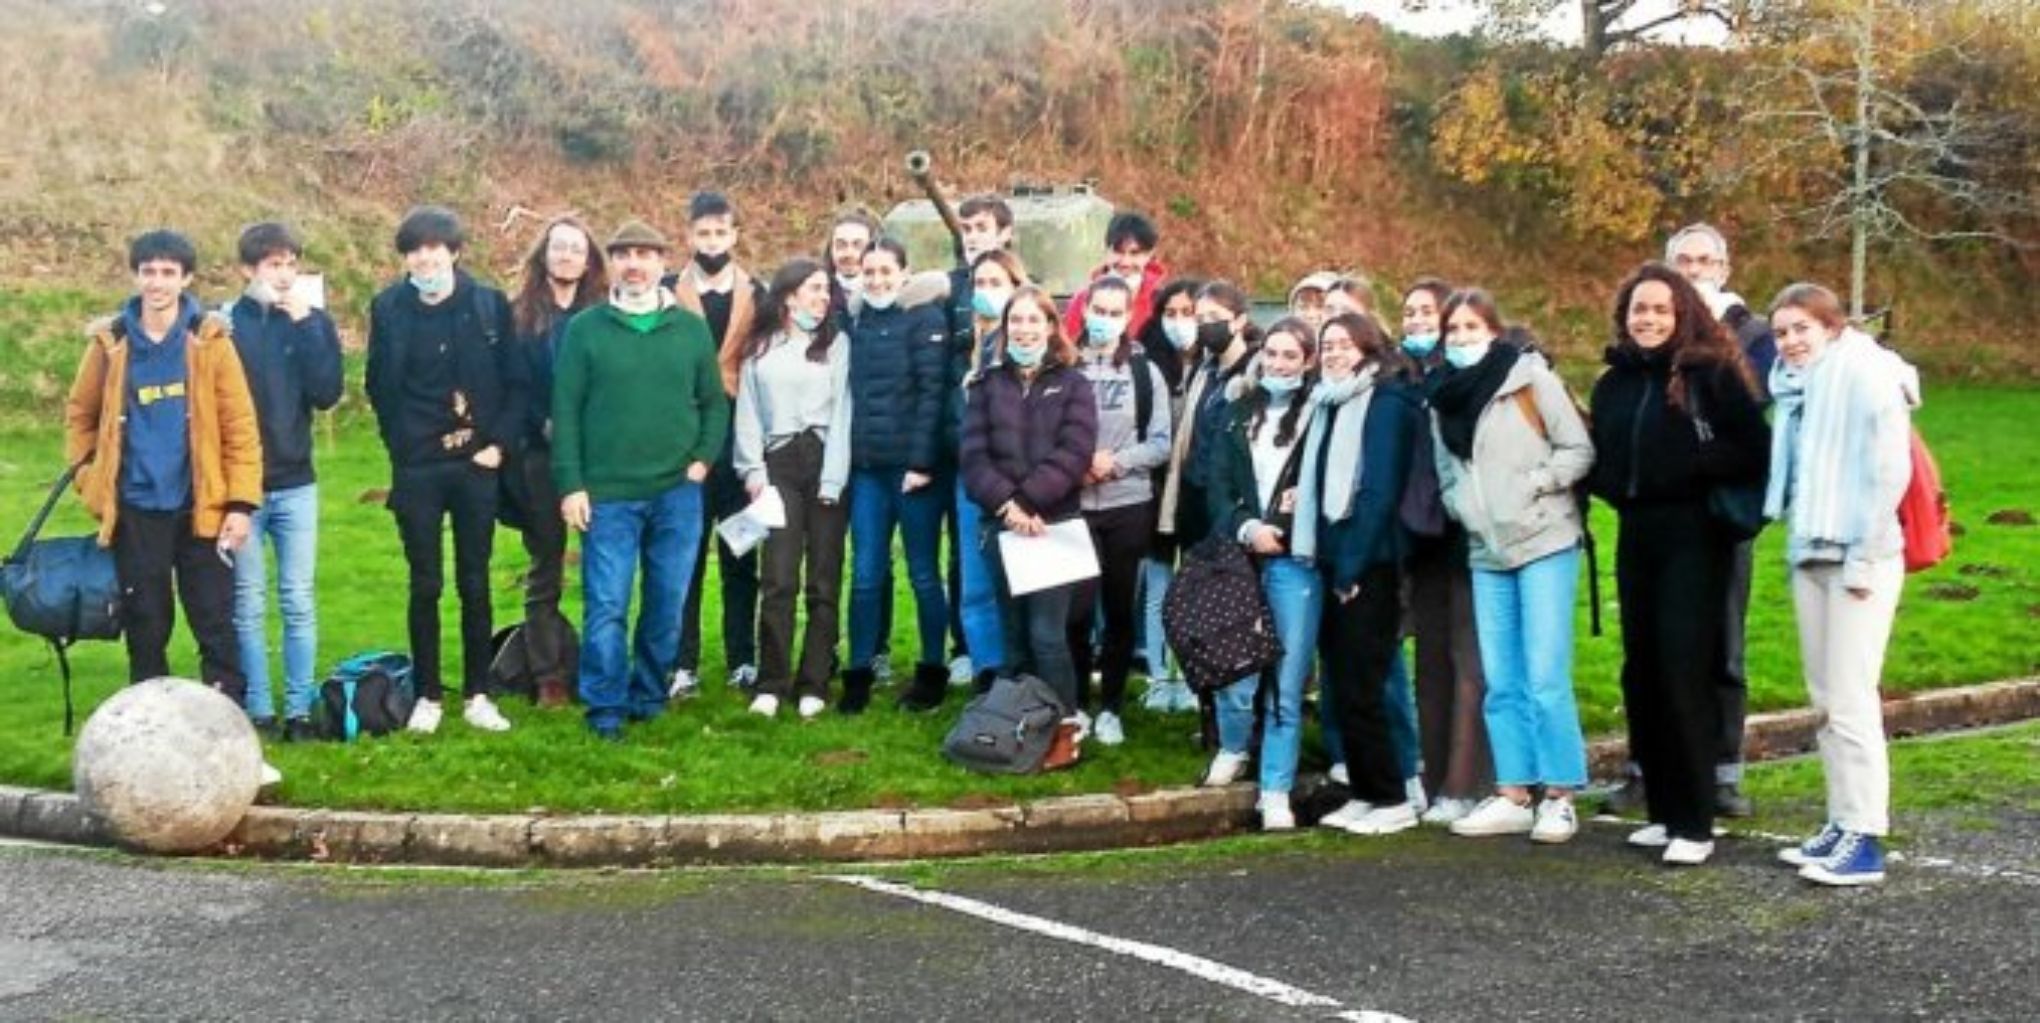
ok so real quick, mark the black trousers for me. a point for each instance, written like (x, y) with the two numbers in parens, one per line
(812, 538)
(1733, 693)
(1671, 569)
(1357, 638)
(423, 498)
(545, 541)
(1451, 687)
(155, 553)
(1121, 538)
(1035, 625)
(724, 496)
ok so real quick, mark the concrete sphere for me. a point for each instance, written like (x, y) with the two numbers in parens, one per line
(169, 765)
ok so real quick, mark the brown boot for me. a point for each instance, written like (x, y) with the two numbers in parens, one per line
(1065, 749)
(553, 693)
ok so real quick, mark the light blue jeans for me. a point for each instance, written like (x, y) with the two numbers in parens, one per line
(1155, 575)
(1525, 621)
(1295, 593)
(289, 522)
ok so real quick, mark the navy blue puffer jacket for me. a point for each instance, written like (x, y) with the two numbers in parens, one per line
(898, 369)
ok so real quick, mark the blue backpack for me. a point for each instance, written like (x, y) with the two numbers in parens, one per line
(367, 694)
(63, 590)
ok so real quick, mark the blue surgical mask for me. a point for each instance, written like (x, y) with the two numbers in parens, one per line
(1100, 331)
(881, 301)
(1181, 333)
(805, 320)
(990, 303)
(1462, 356)
(433, 286)
(1419, 346)
(1278, 387)
(1025, 358)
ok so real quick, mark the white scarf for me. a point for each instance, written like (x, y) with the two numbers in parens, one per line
(1332, 496)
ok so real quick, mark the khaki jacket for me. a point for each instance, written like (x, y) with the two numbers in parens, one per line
(743, 309)
(226, 444)
(1515, 496)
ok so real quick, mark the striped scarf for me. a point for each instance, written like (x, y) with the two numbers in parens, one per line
(1820, 443)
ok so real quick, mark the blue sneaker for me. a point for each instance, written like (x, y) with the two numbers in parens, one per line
(1813, 849)
(1857, 859)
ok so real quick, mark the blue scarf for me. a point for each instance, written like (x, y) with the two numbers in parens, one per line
(1821, 441)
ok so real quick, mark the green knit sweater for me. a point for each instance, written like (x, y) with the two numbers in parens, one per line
(632, 409)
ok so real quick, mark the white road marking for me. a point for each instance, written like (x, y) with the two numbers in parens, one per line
(1194, 965)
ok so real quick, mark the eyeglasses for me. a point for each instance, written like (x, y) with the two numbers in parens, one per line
(1683, 260)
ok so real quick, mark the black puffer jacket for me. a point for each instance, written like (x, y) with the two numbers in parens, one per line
(1029, 443)
(1646, 451)
(898, 366)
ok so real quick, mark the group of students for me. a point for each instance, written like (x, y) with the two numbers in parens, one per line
(1429, 484)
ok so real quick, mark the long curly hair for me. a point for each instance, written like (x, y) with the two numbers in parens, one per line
(533, 311)
(1698, 341)
(774, 315)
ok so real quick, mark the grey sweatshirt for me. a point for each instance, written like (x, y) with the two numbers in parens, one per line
(1119, 433)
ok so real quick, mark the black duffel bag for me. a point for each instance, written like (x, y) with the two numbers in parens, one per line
(63, 590)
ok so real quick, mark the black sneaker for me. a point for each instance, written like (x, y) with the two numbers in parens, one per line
(1729, 801)
(299, 730)
(1627, 800)
(264, 727)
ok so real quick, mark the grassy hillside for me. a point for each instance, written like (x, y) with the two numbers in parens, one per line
(1267, 139)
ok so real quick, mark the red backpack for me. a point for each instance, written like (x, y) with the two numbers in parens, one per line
(1923, 512)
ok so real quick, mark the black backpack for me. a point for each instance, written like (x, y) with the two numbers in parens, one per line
(1008, 730)
(510, 667)
(1216, 618)
(63, 590)
(367, 694)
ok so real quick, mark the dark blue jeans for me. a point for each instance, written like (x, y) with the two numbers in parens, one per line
(661, 533)
(876, 506)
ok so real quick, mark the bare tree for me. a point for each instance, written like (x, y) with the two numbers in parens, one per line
(1886, 160)
(1608, 24)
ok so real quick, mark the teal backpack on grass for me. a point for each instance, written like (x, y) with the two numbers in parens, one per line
(367, 694)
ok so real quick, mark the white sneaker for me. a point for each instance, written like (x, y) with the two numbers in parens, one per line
(1384, 820)
(1083, 722)
(1275, 812)
(745, 677)
(1495, 815)
(1447, 809)
(766, 705)
(685, 686)
(424, 717)
(271, 777)
(1225, 769)
(1111, 732)
(1339, 774)
(481, 713)
(1650, 836)
(962, 672)
(811, 706)
(1344, 817)
(1556, 822)
(1683, 852)
(1414, 785)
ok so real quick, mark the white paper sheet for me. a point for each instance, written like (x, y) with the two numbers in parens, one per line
(311, 288)
(1062, 554)
(748, 528)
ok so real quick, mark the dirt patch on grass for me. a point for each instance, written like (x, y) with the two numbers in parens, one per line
(1985, 571)
(2010, 517)
(840, 757)
(1953, 591)
(979, 801)
(1125, 787)
(374, 495)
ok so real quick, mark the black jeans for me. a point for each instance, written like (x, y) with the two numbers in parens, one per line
(1357, 638)
(723, 497)
(423, 497)
(812, 539)
(1121, 538)
(545, 540)
(1671, 569)
(151, 551)
(1036, 627)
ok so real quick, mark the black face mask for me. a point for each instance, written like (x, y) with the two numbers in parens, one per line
(1215, 337)
(711, 265)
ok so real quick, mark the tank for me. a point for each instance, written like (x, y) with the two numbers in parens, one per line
(1058, 231)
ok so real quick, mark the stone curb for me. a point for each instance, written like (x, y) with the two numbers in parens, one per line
(1066, 824)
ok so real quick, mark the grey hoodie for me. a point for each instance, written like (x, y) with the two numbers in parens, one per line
(1515, 496)
(1119, 433)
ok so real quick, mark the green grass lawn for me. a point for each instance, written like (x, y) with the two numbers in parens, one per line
(1976, 618)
